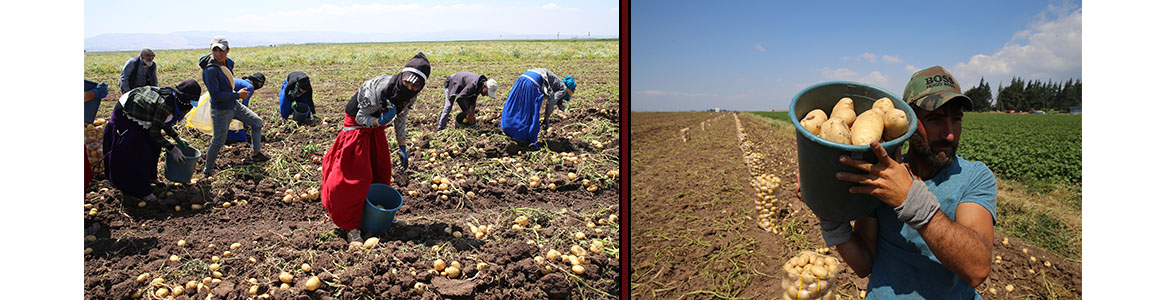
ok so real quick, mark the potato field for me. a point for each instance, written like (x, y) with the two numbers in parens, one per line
(505, 211)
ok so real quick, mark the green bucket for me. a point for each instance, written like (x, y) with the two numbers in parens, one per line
(818, 161)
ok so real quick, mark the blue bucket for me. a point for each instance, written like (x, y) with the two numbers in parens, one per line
(376, 220)
(817, 157)
(182, 171)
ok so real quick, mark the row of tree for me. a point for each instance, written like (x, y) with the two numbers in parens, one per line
(1027, 95)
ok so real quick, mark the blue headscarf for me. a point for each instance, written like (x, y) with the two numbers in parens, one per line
(572, 84)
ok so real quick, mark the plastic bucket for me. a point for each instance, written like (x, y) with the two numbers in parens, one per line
(818, 157)
(300, 112)
(376, 220)
(182, 171)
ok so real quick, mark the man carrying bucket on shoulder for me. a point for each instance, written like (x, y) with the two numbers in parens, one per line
(133, 138)
(932, 237)
(361, 155)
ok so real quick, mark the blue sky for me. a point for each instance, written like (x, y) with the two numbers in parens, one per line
(757, 56)
(412, 16)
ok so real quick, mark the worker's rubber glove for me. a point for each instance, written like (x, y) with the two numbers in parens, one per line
(405, 158)
(101, 90)
(388, 115)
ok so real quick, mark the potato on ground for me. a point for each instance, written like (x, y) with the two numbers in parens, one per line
(895, 124)
(844, 111)
(812, 121)
(835, 130)
(868, 127)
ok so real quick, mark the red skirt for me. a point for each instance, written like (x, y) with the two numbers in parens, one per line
(357, 159)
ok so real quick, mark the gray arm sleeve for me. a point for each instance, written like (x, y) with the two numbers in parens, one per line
(124, 81)
(400, 120)
(363, 115)
(919, 207)
(836, 232)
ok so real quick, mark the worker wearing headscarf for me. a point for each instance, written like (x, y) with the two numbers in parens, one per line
(520, 117)
(296, 89)
(133, 138)
(360, 156)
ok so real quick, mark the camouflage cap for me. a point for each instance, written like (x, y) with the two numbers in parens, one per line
(929, 89)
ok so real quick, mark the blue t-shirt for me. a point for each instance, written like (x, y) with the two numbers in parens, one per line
(903, 265)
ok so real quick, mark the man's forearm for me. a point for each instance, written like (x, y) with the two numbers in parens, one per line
(961, 249)
(857, 255)
(858, 252)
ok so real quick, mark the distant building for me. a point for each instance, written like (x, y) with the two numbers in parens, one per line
(1076, 110)
(716, 109)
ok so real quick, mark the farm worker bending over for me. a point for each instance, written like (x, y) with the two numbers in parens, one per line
(133, 138)
(296, 89)
(520, 118)
(932, 238)
(251, 84)
(225, 104)
(361, 156)
(464, 88)
(139, 71)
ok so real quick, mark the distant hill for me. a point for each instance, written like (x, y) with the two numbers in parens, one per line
(200, 39)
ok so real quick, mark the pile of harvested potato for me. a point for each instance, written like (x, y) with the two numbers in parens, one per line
(810, 276)
(93, 143)
(882, 123)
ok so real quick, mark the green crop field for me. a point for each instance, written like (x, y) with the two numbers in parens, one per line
(1025, 147)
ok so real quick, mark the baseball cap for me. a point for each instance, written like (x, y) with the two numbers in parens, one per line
(219, 41)
(932, 87)
(492, 86)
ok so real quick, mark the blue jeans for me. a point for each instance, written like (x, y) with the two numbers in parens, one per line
(221, 120)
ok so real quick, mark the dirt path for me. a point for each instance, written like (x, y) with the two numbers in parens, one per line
(696, 230)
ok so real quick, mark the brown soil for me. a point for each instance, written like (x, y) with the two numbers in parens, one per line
(694, 232)
(281, 237)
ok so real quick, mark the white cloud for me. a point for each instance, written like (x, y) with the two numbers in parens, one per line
(761, 48)
(1047, 49)
(874, 78)
(892, 59)
(847, 58)
(837, 74)
(417, 18)
(779, 80)
(868, 56)
(910, 69)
